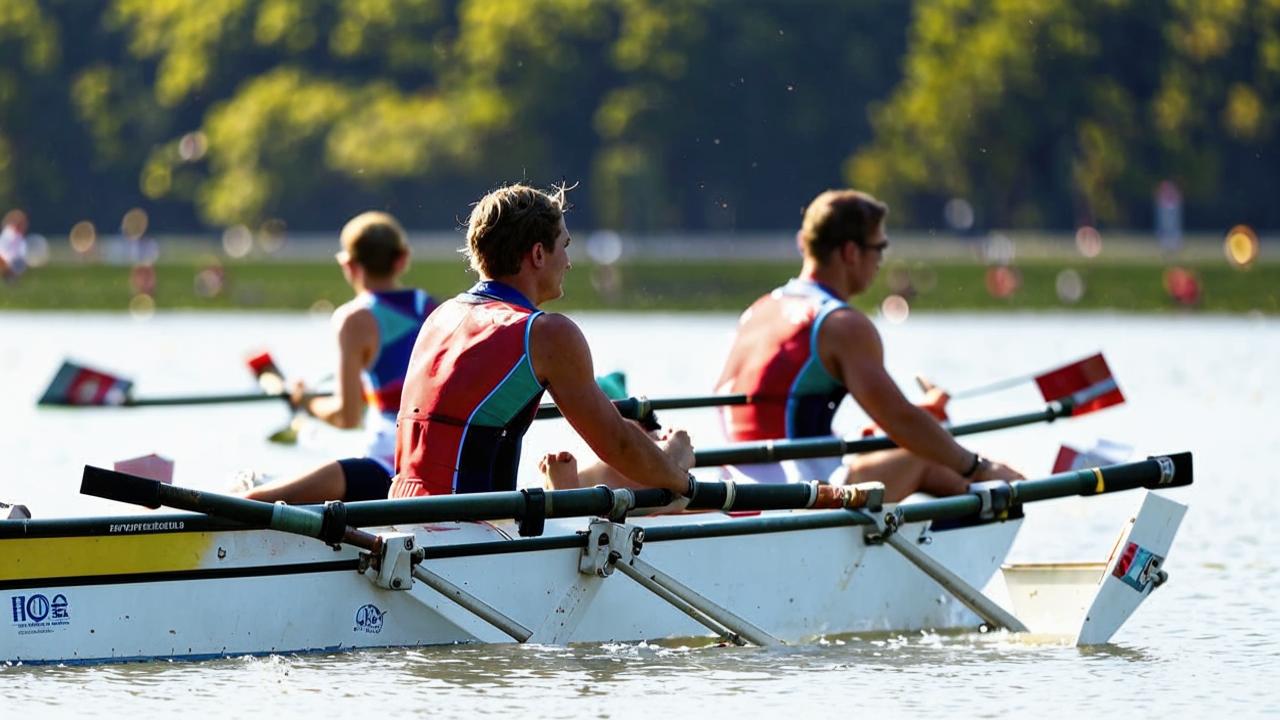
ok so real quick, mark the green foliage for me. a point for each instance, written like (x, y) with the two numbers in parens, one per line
(688, 114)
(1020, 105)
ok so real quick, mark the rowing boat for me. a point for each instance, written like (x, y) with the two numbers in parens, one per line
(554, 567)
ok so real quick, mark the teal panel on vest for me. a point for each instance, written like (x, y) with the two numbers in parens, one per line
(510, 397)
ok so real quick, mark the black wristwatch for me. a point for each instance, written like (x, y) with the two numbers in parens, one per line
(973, 467)
(692, 489)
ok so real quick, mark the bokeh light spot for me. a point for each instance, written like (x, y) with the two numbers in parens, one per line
(83, 236)
(895, 309)
(1070, 286)
(604, 247)
(1241, 247)
(142, 307)
(958, 214)
(193, 146)
(999, 249)
(1003, 281)
(1182, 285)
(237, 241)
(1089, 241)
(134, 223)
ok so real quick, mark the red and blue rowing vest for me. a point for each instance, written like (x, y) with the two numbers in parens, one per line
(399, 314)
(794, 395)
(469, 396)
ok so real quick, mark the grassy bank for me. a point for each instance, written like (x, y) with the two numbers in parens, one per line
(655, 286)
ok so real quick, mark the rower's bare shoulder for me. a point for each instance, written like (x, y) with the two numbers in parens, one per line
(556, 329)
(355, 323)
(849, 325)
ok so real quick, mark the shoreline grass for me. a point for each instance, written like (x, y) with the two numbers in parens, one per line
(686, 285)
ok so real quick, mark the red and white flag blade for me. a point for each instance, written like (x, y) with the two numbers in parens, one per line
(1103, 453)
(1087, 382)
(78, 385)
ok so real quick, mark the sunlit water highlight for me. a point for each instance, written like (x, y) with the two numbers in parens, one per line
(1206, 640)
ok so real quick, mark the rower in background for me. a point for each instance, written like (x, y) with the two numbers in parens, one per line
(375, 332)
(484, 359)
(800, 349)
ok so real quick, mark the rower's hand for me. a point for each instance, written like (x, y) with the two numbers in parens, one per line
(995, 470)
(297, 394)
(678, 446)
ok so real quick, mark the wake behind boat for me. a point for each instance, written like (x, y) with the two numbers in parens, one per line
(543, 567)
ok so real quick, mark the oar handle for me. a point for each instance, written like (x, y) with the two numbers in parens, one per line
(635, 408)
(766, 451)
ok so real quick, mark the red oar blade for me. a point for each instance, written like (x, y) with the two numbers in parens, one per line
(78, 385)
(1087, 382)
(1102, 453)
(264, 368)
(153, 467)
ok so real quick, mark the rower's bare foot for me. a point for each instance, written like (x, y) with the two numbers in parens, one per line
(559, 470)
(677, 444)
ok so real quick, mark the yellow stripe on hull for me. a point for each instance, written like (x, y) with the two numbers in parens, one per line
(32, 558)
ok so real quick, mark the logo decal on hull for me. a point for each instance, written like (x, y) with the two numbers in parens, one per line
(369, 618)
(35, 614)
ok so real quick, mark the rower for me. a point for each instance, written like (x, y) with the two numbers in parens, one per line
(375, 332)
(484, 359)
(801, 348)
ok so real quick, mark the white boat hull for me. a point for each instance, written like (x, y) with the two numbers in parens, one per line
(138, 594)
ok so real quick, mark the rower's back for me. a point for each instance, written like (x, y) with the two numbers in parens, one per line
(469, 396)
(775, 360)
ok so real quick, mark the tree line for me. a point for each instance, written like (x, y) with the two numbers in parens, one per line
(670, 114)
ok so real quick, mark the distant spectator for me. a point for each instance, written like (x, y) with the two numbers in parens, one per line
(13, 245)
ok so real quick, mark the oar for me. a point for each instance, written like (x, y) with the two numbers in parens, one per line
(764, 451)
(1056, 383)
(634, 408)
(79, 386)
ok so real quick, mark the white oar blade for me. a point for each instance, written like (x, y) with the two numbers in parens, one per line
(1135, 568)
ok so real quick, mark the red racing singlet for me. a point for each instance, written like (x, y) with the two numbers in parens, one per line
(794, 395)
(469, 396)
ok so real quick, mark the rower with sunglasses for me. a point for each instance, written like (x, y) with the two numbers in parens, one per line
(800, 349)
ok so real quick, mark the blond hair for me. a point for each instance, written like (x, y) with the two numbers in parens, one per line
(375, 241)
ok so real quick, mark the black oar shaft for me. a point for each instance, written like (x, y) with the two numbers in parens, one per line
(204, 399)
(777, 450)
(1154, 473)
(636, 408)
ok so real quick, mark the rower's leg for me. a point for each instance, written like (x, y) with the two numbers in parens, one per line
(904, 473)
(326, 482)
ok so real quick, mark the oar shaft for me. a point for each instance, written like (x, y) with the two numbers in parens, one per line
(766, 451)
(991, 387)
(1154, 473)
(204, 399)
(635, 408)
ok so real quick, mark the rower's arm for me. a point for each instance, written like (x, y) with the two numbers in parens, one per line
(357, 340)
(562, 360)
(850, 344)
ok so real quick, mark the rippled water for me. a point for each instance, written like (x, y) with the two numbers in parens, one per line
(1206, 640)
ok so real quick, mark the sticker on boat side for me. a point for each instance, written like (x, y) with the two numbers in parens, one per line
(146, 527)
(38, 613)
(1137, 567)
(369, 619)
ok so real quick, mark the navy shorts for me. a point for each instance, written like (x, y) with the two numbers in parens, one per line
(366, 479)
